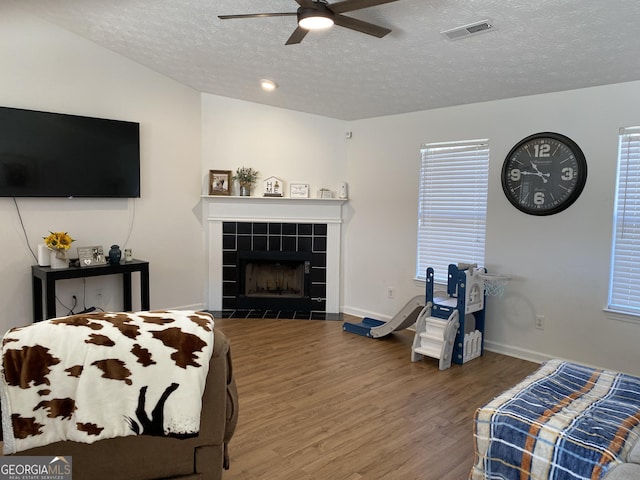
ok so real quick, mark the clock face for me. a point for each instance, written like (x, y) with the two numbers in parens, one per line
(544, 174)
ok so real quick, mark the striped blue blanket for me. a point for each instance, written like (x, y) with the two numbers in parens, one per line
(563, 422)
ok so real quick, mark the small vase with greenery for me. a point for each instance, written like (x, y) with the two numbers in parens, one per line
(246, 177)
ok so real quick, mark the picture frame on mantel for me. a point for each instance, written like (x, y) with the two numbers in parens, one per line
(219, 182)
(299, 190)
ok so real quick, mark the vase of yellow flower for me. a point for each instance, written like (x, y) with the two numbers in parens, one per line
(59, 243)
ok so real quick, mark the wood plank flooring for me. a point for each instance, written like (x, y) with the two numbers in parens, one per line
(317, 403)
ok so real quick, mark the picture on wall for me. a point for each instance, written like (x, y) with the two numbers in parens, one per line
(219, 182)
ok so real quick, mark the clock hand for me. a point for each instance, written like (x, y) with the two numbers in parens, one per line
(539, 173)
(535, 167)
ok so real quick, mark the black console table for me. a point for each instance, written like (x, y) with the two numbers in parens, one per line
(46, 277)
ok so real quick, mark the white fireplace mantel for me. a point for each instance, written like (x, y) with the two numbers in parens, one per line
(220, 208)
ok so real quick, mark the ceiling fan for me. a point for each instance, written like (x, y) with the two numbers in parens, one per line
(319, 14)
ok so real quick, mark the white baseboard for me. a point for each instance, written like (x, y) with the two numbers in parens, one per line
(516, 352)
(356, 312)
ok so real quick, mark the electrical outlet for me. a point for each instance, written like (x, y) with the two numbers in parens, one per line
(540, 322)
(390, 292)
(74, 302)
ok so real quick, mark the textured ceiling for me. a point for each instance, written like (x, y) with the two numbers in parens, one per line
(536, 47)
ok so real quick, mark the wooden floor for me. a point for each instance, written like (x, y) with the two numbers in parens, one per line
(317, 403)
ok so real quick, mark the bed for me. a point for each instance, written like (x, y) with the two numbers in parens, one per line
(564, 421)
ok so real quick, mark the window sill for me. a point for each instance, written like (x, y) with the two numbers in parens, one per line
(619, 316)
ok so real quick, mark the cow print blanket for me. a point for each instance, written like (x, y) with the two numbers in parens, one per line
(102, 375)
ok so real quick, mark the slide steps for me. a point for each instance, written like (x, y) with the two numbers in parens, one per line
(431, 339)
(435, 337)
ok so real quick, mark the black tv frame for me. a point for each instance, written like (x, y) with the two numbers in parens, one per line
(47, 154)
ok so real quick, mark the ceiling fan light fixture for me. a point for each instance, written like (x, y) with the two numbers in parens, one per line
(318, 18)
(268, 85)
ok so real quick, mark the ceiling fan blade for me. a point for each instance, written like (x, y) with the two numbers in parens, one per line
(351, 5)
(361, 26)
(296, 37)
(306, 3)
(257, 15)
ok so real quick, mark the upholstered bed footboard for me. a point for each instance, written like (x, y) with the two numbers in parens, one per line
(565, 421)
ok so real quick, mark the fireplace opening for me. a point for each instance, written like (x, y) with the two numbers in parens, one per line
(274, 280)
(279, 278)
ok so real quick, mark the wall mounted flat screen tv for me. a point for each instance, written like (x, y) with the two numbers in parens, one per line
(57, 155)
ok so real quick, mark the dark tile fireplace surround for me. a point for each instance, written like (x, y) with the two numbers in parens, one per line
(280, 243)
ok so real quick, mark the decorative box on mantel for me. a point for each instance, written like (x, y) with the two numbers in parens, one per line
(220, 209)
(273, 187)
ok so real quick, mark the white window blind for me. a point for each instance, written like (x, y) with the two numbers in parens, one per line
(624, 284)
(453, 206)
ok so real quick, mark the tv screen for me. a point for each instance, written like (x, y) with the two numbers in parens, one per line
(57, 155)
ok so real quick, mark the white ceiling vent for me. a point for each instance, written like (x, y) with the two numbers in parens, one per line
(468, 30)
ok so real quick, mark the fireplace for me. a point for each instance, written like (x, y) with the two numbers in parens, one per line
(274, 266)
(266, 224)
(274, 281)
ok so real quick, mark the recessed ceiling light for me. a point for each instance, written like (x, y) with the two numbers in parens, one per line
(268, 85)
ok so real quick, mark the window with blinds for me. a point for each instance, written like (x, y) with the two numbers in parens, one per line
(624, 282)
(453, 206)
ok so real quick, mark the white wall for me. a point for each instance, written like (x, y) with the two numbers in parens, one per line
(559, 264)
(296, 147)
(47, 68)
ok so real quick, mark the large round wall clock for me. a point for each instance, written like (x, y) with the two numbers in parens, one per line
(544, 173)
